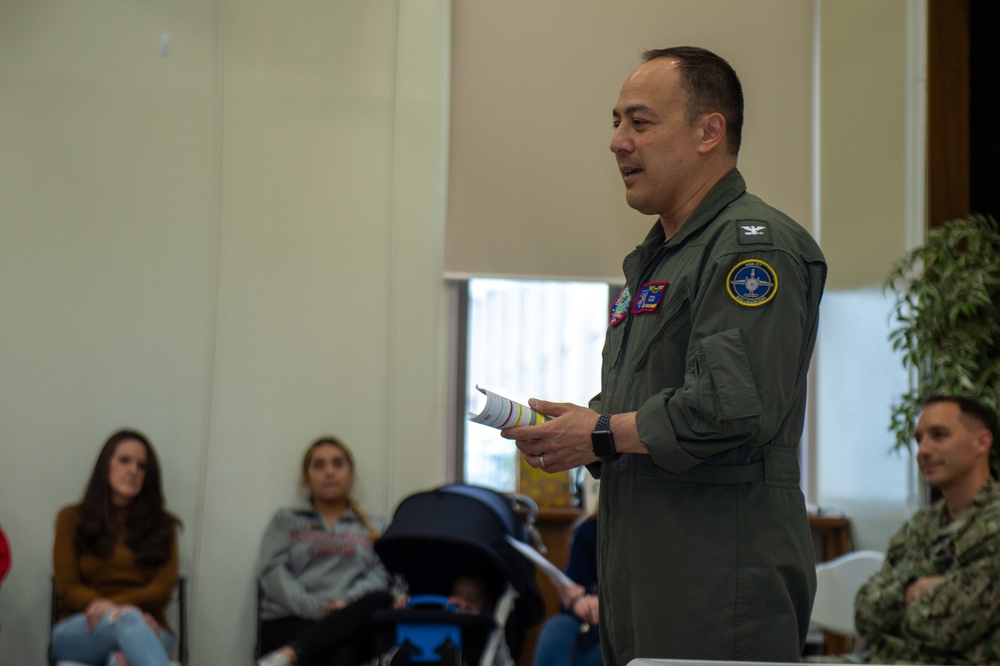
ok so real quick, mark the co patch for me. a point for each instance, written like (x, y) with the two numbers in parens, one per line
(649, 297)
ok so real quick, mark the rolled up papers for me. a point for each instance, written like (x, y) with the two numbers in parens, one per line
(501, 412)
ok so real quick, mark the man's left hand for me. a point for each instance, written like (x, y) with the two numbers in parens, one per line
(559, 444)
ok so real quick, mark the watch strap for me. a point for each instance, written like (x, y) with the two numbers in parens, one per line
(603, 440)
(603, 423)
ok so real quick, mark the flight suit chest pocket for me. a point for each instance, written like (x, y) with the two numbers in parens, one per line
(613, 348)
(659, 339)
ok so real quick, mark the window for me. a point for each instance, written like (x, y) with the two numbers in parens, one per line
(527, 339)
(858, 376)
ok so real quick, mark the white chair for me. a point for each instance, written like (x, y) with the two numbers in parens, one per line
(837, 583)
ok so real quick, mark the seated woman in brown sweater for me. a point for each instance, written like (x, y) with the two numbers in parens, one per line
(115, 562)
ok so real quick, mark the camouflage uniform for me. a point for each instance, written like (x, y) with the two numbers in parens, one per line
(958, 620)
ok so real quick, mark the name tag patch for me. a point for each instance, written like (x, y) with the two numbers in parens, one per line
(752, 283)
(620, 307)
(649, 297)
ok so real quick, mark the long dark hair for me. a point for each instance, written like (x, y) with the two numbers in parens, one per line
(149, 528)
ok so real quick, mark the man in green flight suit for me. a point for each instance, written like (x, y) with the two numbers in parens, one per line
(704, 549)
(936, 599)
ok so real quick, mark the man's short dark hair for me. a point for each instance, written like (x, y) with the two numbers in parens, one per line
(968, 407)
(711, 85)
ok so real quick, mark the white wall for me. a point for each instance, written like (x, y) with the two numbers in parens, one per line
(534, 85)
(234, 247)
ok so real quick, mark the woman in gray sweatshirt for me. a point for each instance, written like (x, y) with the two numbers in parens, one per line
(320, 579)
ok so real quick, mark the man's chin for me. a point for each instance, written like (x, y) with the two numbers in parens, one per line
(639, 204)
(932, 479)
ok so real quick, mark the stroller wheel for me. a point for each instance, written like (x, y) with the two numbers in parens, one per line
(393, 657)
(396, 656)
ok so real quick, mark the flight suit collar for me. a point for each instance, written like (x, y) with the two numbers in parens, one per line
(731, 187)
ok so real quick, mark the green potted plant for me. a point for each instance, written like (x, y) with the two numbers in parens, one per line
(947, 318)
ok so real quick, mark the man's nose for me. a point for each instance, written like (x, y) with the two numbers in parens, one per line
(620, 143)
(922, 451)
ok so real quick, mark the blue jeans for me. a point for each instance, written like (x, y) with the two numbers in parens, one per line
(128, 634)
(561, 644)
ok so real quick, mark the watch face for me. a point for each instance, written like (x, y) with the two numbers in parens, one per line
(603, 443)
(602, 439)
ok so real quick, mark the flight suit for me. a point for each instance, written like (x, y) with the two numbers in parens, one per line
(704, 546)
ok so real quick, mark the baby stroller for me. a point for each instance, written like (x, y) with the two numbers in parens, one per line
(436, 537)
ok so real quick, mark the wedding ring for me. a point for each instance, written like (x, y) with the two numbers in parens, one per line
(541, 460)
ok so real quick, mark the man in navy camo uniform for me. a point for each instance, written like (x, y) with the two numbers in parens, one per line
(937, 598)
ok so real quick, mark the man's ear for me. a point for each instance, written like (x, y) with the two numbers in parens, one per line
(984, 441)
(713, 132)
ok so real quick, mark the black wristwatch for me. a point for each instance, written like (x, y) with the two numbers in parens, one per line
(603, 440)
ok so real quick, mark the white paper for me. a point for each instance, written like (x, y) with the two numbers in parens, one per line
(501, 412)
(549, 569)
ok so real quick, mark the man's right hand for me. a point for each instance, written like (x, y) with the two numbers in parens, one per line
(920, 587)
(569, 593)
(586, 608)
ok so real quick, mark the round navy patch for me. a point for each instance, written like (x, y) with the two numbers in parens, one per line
(752, 283)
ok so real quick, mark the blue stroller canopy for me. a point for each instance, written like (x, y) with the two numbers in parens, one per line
(439, 534)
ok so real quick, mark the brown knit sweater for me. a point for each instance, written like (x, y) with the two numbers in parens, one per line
(83, 577)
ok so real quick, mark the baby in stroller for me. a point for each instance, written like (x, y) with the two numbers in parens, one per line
(472, 594)
(434, 629)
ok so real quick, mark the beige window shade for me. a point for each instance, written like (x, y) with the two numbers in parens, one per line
(534, 191)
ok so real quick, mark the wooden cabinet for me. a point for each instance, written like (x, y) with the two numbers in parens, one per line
(831, 536)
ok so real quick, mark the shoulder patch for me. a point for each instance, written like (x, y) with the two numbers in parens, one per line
(753, 232)
(620, 308)
(752, 282)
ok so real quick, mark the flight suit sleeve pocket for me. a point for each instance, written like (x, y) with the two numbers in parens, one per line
(735, 392)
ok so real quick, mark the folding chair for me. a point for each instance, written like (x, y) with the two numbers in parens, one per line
(837, 583)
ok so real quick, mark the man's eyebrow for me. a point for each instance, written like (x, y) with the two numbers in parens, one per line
(632, 109)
